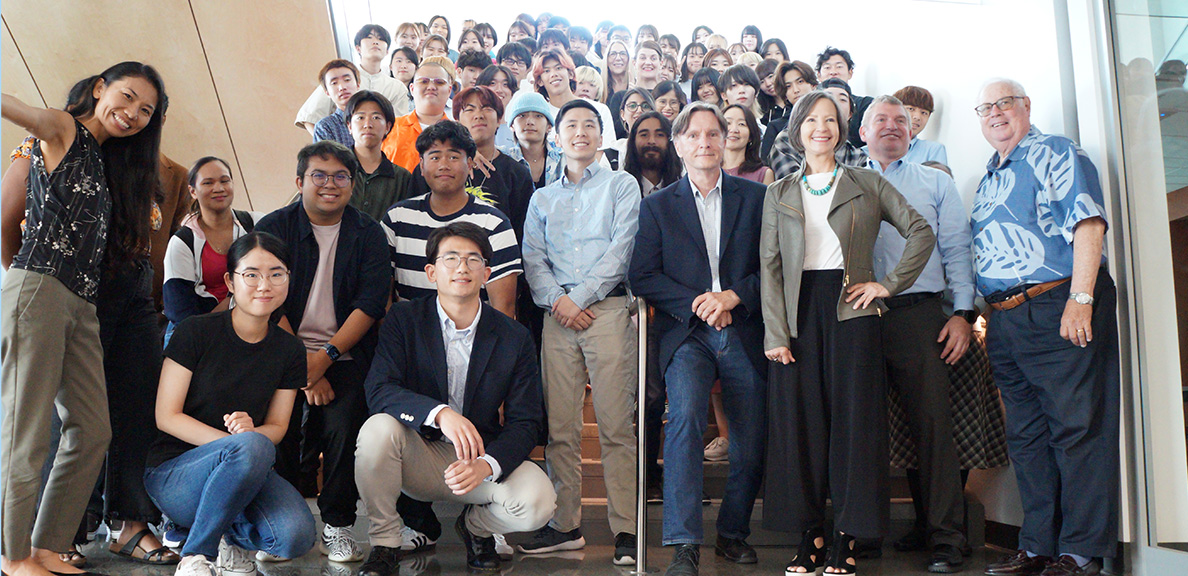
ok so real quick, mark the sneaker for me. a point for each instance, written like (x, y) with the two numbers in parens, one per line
(502, 548)
(548, 539)
(172, 535)
(262, 556)
(412, 541)
(624, 549)
(196, 565)
(339, 545)
(717, 450)
(234, 561)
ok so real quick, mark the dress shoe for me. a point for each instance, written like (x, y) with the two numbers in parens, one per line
(685, 561)
(1066, 566)
(1019, 564)
(946, 559)
(736, 550)
(868, 548)
(382, 561)
(916, 539)
(480, 551)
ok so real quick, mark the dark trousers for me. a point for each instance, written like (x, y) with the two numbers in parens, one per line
(827, 421)
(916, 371)
(339, 423)
(654, 409)
(1061, 421)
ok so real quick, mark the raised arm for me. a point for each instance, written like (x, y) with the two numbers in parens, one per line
(54, 128)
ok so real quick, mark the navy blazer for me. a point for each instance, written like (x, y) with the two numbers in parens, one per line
(670, 267)
(408, 378)
(362, 270)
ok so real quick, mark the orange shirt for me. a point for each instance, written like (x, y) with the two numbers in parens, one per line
(401, 144)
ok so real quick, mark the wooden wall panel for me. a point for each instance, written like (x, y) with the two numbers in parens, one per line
(16, 81)
(265, 56)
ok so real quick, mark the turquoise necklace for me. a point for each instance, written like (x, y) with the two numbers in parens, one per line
(823, 191)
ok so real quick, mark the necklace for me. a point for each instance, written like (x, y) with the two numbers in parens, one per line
(822, 191)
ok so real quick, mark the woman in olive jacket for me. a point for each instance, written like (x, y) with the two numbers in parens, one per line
(827, 410)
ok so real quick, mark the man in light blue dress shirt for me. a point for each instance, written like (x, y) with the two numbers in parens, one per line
(918, 337)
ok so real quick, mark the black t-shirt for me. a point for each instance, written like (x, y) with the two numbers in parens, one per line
(228, 374)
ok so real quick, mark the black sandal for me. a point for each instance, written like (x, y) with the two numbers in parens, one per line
(808, 555)
(841, 555)
(162, 556)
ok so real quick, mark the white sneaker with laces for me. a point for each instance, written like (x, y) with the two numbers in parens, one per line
(502, 548)
(414, 541)
(262, 556)
(339, 545)
(196, 565)
(234, 561)
(717, 450)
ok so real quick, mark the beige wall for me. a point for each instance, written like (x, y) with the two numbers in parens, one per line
(235, 73)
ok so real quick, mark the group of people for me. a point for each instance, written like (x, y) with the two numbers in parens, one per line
(441, 293)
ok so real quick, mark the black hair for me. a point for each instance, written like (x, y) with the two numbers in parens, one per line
(486, 27)
(554, 35)
(488, 75)
(753, 30)
(192, 175)
(642, 92)
(579, 59)
(369, 96)
(578, 103)
(839, 83)
(252, 240)
(693, 38)
(409, 53)
(514, 50)
(671, 39)
(326, 149)
(751, 161)
(466, 32)
(670, 86)
(582, 33)
(686, 73)
(778, 44)
(672, 163)
(366, 31)
(647, 28)
(472, 59)
(465, 230)
(830, 52)
(738, 74)
(449, 132)
(762, 70)
(131, 164)
(616, 28)
(449, 30)
(706, 75)
(529, 43)
(557, 21)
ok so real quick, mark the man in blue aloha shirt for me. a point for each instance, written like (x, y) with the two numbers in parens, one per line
(1038, 223)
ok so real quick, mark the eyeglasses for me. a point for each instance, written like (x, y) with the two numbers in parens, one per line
(509, 62)
(253, 279)
(633, 106)
(452, 260)
(1003, 104)
(321, 179)
(425, 82)
(617, 54)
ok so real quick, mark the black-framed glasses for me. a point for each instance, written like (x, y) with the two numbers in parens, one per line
(452, 260)
(1003, 104)
(321, 179)
(275, 278)
(633, 106)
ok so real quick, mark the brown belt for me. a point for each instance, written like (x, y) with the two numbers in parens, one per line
(1017, 299)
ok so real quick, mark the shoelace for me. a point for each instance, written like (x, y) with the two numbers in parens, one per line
(339, 539)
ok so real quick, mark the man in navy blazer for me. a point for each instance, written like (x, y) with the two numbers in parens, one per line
(443, 367)
(696, 261)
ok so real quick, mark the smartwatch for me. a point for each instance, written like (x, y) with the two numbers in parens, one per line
(332, 351)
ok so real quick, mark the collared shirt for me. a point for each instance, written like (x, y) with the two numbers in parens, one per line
(553, 163)
(786, 160)
(709, 211)
(333, 127)
(458, 345)
(319, 105)
(579, 236)
(646, 187)
(373, 194)
(400, 146)
(921, 151)
(1025, 212)
(934, 195)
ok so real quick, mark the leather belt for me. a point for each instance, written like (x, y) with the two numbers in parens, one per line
(1019, 298)
(619, 290)
(905, 300)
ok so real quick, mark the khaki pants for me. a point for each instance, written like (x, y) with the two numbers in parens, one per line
(608, 351)
(51, 354)
(391, 458)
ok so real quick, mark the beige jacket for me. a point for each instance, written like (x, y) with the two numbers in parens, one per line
(862, 200)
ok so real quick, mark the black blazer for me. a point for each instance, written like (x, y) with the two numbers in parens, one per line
(670, 267)
(408, 378)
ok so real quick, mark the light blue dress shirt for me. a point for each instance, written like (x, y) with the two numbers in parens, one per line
(578, 236)
(921, 151)
(934, 195)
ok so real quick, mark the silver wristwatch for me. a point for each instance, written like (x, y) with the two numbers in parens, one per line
(1081, 298)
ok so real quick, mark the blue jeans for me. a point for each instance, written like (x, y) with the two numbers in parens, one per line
(228, 488)
(707, 355)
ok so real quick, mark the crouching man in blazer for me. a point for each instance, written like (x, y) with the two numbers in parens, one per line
(443, 367)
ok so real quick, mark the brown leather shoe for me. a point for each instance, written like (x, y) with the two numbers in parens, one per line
(1019, 564)
(1066, 566)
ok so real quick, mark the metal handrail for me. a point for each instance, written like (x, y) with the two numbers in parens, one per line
(641, 497)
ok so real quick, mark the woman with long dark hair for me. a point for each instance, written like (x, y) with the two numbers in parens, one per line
(92, 181)
(741, 155)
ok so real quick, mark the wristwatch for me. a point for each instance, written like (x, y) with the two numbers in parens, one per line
(1081, 298)
(970, 316)
(332, 351)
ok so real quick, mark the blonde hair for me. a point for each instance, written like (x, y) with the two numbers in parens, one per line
(716, 41)
(442, 62)
(749, 58)
(593, 76)
(630, 72)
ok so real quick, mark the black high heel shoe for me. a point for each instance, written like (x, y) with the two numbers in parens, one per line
(841, 555)
(809, 556)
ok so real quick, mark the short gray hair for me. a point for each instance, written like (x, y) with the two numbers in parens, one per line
(1016, 88)
(868, 115)
(801, 111)
(681, 123)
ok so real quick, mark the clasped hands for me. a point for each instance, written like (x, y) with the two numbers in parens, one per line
(714, 308)
(570, 316)
(469, 470)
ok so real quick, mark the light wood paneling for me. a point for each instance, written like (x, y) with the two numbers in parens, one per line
(17, 81)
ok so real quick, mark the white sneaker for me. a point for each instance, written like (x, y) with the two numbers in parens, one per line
(412, 541)
(262, 556)
(339, 545)
(717, 450)
(502, 548)
(196, 565)
(234, 561)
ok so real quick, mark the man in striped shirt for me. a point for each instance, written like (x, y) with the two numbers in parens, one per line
(447, 153)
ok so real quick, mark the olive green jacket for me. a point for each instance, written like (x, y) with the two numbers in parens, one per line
(862, 200)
